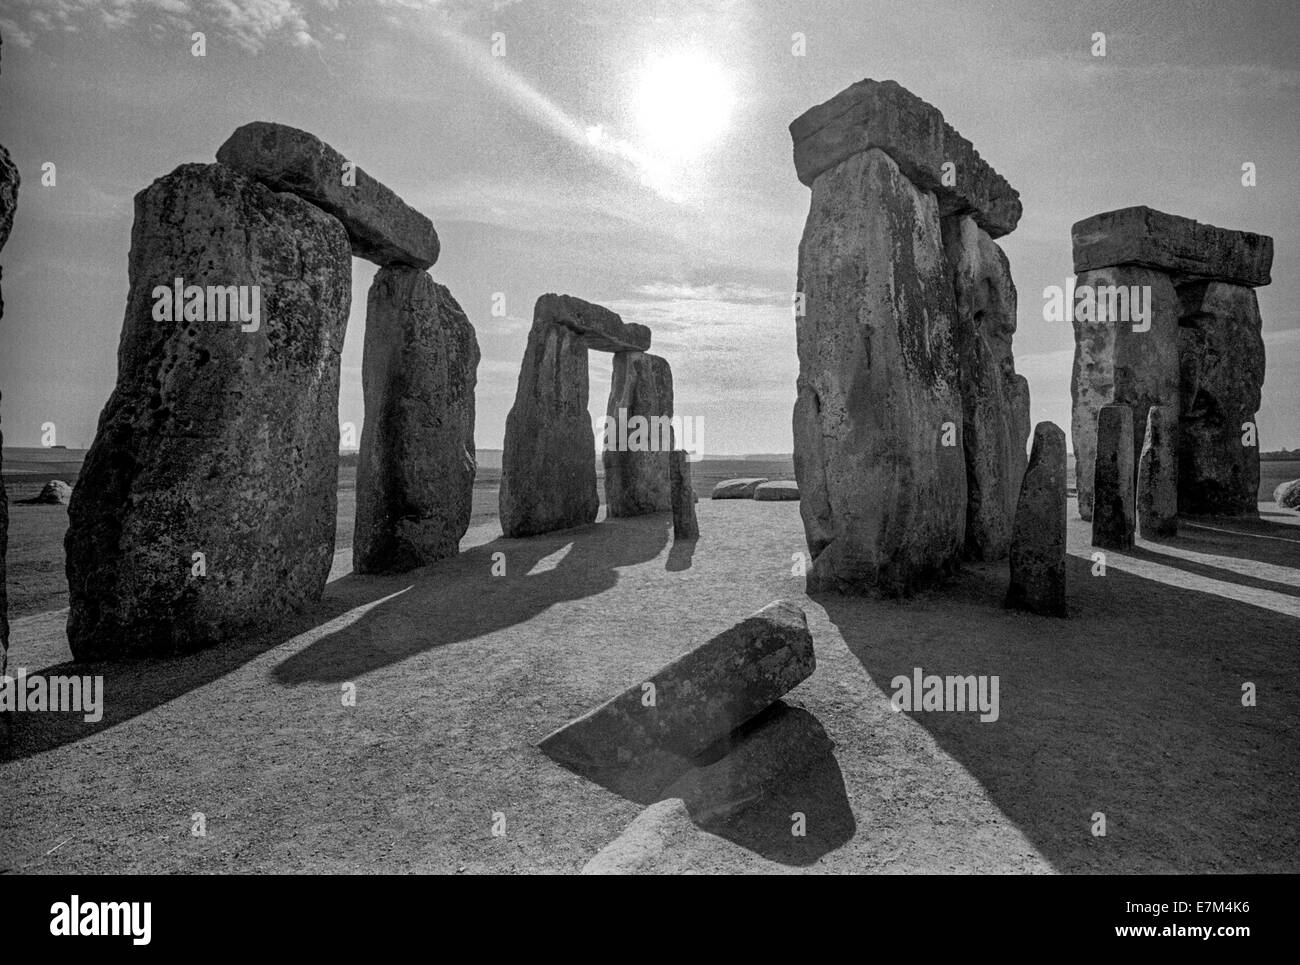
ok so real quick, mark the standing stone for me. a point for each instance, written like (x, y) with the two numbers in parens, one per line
(1038, 538)
(1157, 487)
(9, 181)
(548, 466)
(699, 698)
(877, 447)
(1114, 363)
(685, 525)
(381, 226)
(1222, 381)
(1112, 514)
(415, 477)
(995, 400)
(638, 436)
(215, 441)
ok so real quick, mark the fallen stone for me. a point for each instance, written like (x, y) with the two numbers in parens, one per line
(1287, 495)
(1112, 515)
(599, 329)
(1222, 382)
(685, 525)
(1037, 549)
(1114, 364)
(995, 400)
(781, 490)
(548, 467)
(697, 700)
(1157, 486)
(206, 504)
(381, 226)
(886, 116)
(638, 436)
(54, 493)
(415, 475)
(737, 488)
(1181, 246)
(877, 441)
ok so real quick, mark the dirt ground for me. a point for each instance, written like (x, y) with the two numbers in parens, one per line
(1132, 707)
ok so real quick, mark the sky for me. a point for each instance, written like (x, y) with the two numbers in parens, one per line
(635, 154)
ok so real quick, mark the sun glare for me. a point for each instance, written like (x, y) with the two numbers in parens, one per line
(683, 103)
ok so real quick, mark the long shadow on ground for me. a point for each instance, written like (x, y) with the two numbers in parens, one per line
(461, 599)
(1133, 707)
(456, 599)
(748, 787)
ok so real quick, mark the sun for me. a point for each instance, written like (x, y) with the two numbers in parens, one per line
(683, 103)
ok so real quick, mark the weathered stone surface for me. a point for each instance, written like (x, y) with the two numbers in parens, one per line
(381, 226)
(1114, 363)
(1157, 486)
(781, 490)
(995, 400)
(1222, 381)
(883, 493)
(1181, 246)
(215, 440)
(4, 549)
(9, 181)
(54, 493)
(737, 488)
(685, 525)
(9, 184)
(415, 476)
(1038, 537)
(600, 329)
(548, 467)
(1287, 495)
(884, 115)
(1113, 487)
(638, 436)
(699, 698)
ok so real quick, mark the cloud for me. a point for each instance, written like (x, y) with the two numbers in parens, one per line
(252, 24)
(744, 294)
(15, 34)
